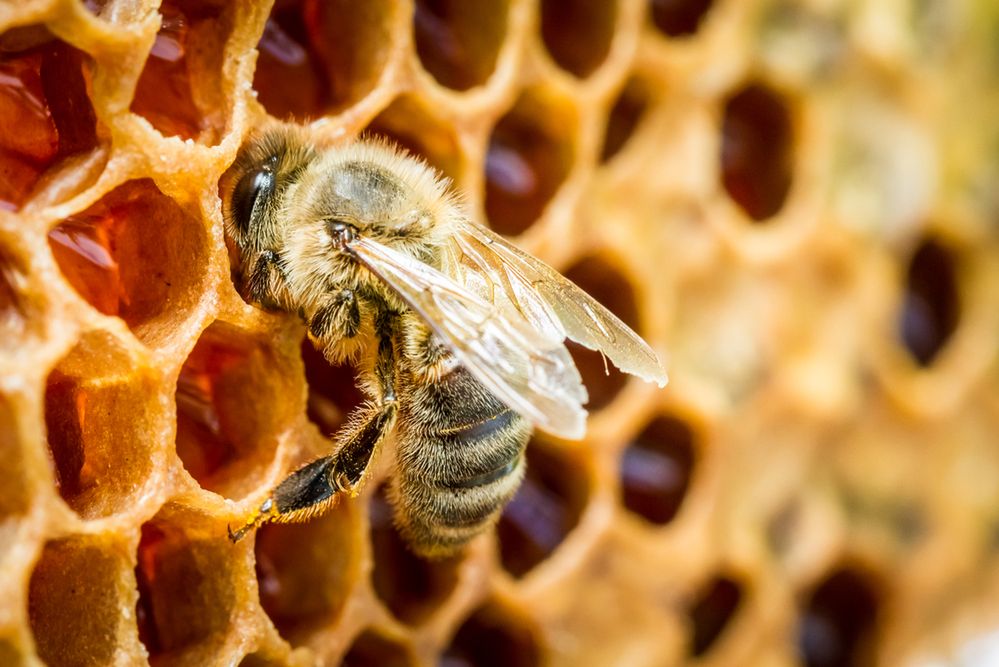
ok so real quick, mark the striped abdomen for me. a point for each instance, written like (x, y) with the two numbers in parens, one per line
(460, 459)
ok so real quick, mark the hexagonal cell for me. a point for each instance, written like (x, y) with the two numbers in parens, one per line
(494, 636)
(75, 599)
(578, 33)
(656, 469)
(605, 283)
(44, 94)
(757, 150)
(371, 649)
(530, 154)
(305, 572)
(625, 116)
(317, 57)
(679, 18)
(180, 89)
(290, 79)
(458, 42)
(410, 586)
(101, 421)
(188, 586)
(931, 305)
(232, 402)
(838, 621)
(712, 612)
(408, 123)
(545, 510)
(333, 392)
(135, 254)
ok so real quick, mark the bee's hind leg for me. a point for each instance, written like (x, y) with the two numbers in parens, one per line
(310, 489)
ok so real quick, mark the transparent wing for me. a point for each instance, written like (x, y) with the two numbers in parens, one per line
(533, 286)
(529, 371)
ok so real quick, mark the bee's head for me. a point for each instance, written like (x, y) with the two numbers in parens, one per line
(253, 187)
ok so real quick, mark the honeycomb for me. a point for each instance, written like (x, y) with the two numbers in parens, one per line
(795, 201)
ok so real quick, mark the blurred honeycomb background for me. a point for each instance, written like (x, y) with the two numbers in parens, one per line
(796, 201)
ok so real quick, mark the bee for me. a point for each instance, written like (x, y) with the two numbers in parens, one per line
(457, 335)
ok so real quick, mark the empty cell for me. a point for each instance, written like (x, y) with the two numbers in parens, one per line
(333, 392)
(578, 33)
(410, 586)
(290, 79)
(601, 280)
(101, 423)
(179, 90)
(44, 86)
(306, 571)
(712, 612)
(75, 600)
(838, 621)
(135, 254)
(408, 123)
(545, 510)
(931, 303)
(458, 42)
(757, 150)
(626, 114)
(232, 402)
(353, 41)
(656, 469)
(679, 18)
(493, 636)
(185, 594)
(371, 649)
(529, 156)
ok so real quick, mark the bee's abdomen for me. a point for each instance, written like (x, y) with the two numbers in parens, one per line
(460, 459)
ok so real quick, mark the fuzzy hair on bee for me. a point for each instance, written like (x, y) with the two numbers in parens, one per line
(458, 336)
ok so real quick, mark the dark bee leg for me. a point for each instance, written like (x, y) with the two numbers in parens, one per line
(310, 489)
(262, 279)
(340, 317)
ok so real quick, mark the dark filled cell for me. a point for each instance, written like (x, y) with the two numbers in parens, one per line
(578, 33)
(543, 513)
(712, 612)
(290, 79)
(409, 125)
(931, 306)
(457, 41)
(679, 18)
(757, 151)
(656, 469)
(625, 115)
(305, 571)
(43, 93)
(526, 163)
(411, 587)
(371, 649)
(492, 637)
(838, 621)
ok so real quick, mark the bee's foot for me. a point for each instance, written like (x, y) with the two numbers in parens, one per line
(261, 516)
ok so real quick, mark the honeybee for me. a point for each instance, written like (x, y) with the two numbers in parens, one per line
(457, 335)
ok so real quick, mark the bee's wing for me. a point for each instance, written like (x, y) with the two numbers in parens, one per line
(524, 368)
(579, 315)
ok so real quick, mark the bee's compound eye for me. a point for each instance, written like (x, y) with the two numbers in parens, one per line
(251, 187)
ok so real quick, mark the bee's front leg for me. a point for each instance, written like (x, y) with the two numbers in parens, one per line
(337, 318)
(262, 282)
(310, 489)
